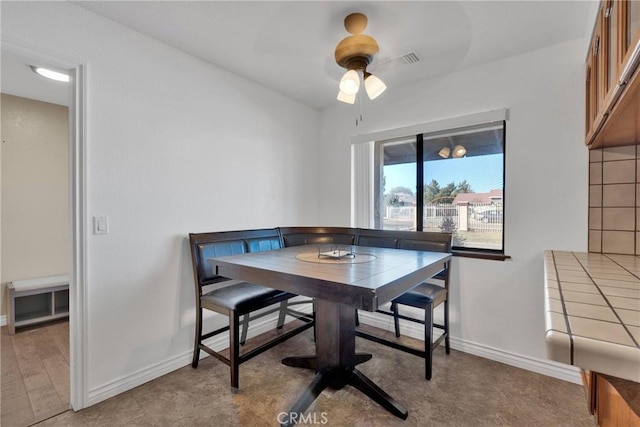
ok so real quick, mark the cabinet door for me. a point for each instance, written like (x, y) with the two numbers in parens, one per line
(588, 119)
(597, 72)
(610, 52)
(633, 23)
(630, 31)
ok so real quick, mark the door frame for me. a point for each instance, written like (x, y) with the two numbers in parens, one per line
(78, 315)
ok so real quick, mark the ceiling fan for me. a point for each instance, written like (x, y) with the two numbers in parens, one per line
(355, 53)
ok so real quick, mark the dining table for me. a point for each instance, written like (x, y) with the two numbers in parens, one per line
(341, 280)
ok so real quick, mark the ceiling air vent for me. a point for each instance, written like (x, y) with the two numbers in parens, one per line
(409, 58)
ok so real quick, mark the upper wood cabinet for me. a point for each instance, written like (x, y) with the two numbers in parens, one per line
(612, 85)
(630, 16)
(595, 80)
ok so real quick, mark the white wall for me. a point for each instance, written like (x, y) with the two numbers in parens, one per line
(174, 146)
(495, 304)
(35, 190)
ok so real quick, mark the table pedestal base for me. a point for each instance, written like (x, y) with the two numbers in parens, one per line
(338, 378)
(335, 362)
(311, 362)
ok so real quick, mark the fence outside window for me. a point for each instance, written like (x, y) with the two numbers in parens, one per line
(480, 216)
(473, 225)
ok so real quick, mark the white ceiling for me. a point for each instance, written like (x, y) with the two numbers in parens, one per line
(288, 46)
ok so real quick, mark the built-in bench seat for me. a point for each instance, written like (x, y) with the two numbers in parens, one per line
(37, 300)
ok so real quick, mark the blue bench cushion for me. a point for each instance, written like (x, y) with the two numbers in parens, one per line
(207, 250)
(263, 244)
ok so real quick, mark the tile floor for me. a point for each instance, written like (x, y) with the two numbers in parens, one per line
(465, 391)
(35, 373)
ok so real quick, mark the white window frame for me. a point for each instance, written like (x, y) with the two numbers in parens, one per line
(363, 162)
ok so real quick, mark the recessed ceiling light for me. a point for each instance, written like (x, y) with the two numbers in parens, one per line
(50, 74)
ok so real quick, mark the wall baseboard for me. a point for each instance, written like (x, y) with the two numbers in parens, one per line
(218, 343)
(541, 366)
(3, 320)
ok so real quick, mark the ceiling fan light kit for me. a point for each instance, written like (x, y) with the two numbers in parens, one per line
(348, 99)
(444, 152)
(355, 53)
(373, 85)
(350, 83)
(459, 151)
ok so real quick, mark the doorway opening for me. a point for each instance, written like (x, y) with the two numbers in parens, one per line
(43, 234)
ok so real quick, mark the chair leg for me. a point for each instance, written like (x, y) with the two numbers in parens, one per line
(245, 329)
(313, 310)
(357, 318)
(234, 348)
(447, 348)
(396, 320)
(283, 314)
(197, 340)
(428, 340)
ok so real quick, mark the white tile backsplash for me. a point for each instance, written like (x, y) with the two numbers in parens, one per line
(614, 200)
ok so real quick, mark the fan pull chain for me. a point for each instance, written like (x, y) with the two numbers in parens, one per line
(359, 101)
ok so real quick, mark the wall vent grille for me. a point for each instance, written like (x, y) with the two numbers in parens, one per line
(410, 58)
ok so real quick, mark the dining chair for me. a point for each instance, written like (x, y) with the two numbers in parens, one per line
(235, 298)
(426, 296)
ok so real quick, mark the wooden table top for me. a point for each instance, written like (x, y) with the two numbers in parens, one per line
(363, 285)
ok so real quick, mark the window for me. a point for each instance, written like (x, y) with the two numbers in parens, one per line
(445, 180)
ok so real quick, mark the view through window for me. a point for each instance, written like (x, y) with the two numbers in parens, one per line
(450, 180)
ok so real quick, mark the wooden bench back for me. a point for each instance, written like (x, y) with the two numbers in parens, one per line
(223, 243)
(415, 240)
(296, 236)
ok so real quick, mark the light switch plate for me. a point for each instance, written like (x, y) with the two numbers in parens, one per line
(100, 225)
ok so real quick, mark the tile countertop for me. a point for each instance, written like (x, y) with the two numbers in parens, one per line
(592, 311)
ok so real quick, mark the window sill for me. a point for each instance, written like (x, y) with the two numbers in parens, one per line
(481, 255)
